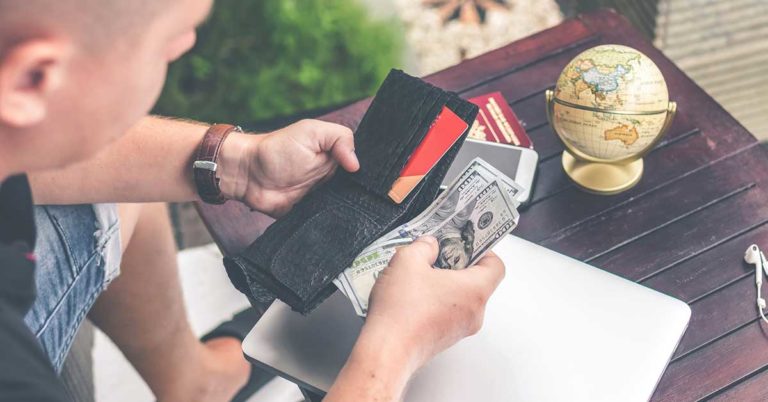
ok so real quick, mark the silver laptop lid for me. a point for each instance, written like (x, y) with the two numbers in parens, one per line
(556, 329)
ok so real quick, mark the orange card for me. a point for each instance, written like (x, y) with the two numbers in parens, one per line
(444, 132)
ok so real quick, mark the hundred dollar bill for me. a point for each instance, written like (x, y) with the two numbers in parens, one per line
(479, 173)
(465, 231)
(476, 176)
(357, 281)
(475, 228)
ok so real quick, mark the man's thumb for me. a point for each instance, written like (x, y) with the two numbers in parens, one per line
(425, 248)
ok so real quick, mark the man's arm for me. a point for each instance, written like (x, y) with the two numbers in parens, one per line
(416, 312)
(153, 162)
(378, 369)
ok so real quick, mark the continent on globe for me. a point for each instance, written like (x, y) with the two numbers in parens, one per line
(601, 82)
(601, 76)
(624, 133)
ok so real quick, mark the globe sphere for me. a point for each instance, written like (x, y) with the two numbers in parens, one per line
(610, 104)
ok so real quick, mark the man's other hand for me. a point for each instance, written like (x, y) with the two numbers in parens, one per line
(431, 309)
(416, 312)
(271, 172)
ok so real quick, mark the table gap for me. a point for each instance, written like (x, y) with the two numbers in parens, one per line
(643, 194)
(713, 340)
(531, 94)
(544, 158)
(672, 221)
(735, 383)
(702, 251)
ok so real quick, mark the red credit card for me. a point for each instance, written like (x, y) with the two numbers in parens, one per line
(444, 132)
(496, 122)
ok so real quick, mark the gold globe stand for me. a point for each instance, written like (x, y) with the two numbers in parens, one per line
(601, 176)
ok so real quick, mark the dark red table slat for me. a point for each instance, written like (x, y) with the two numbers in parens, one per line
(550, 215)
(710, 314)
(753, 389)
(638, 218)
(682, 230)
(712, 369)
(709, 265)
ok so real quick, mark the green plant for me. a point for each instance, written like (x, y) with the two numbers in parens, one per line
(258, 59)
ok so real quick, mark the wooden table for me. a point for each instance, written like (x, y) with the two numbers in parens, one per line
(682, 230)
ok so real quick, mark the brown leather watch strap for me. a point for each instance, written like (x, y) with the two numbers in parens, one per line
(205, 166)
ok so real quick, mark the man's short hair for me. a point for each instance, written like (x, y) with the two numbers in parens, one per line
(93, 23)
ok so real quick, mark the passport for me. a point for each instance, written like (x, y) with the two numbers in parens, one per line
(496, 122)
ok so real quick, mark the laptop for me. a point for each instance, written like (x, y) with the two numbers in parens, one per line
(556, 329)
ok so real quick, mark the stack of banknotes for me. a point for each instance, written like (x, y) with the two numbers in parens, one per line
(473, 214)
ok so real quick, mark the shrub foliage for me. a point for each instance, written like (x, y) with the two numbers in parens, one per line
(258, 59)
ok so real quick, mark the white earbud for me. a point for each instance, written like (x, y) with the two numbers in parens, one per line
(753, 255)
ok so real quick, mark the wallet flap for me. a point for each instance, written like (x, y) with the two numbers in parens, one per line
(394, 125)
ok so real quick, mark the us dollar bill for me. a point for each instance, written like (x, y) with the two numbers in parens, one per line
(471, 216)
(465, 229)
(476, 176)
(475, 228)
(357, 281)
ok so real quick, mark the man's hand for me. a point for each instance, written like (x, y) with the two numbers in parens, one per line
(271, 172)
(416, 312)
(431, 309)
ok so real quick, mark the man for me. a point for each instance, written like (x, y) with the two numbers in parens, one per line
(77, 78)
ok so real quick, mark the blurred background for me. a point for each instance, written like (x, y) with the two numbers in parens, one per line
(266, 63)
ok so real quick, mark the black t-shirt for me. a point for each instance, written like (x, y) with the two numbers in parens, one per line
(25, 371)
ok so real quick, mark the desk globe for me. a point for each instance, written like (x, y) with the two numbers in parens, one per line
(610, 106)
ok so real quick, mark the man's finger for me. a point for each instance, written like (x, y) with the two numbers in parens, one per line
(489, 270)
(423, 250)
(344, 153)
(339, 141)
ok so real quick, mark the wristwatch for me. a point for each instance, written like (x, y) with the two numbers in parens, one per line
(204, 167)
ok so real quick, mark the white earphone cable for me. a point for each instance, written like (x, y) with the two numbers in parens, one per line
(761, 302)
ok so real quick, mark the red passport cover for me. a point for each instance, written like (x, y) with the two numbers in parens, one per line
(496, 122)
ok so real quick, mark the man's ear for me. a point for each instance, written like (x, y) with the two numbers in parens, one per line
(29, 72)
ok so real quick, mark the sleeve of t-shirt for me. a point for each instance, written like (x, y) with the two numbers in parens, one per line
(26, 374)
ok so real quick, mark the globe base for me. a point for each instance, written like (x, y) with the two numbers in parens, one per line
(602, 178)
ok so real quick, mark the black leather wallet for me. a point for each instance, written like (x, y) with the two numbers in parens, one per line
(300, 254)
